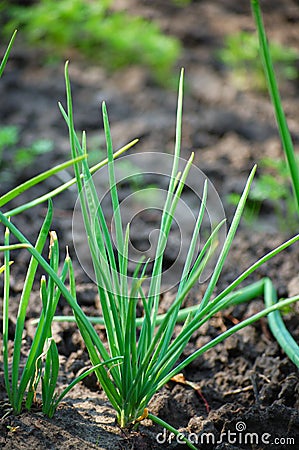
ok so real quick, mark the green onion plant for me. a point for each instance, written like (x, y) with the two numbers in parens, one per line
(274, 186)
(151, 357)
(240, 55)
(23, 386)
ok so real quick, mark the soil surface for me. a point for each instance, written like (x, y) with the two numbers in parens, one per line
(244, 385)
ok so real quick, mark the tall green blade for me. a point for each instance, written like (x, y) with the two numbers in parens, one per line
(8, 196)
(228, 242)
(24, 302)
(154, 289)
(7, 52)
(276, 100)
(6, 315)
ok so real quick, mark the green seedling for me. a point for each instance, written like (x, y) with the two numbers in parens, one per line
(153, 358)
(97, 31)
(26, 156)
(272, 186)
(9, 136)
(241, 55)
(16, 157)
(181, 3)
(285, 136)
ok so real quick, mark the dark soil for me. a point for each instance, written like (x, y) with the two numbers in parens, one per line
(247, 384)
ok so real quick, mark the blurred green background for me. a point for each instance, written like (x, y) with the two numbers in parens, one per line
(93, 29)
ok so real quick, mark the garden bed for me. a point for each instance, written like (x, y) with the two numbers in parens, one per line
(247, 382)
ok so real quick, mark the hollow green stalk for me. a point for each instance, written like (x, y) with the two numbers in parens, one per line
(282, 124)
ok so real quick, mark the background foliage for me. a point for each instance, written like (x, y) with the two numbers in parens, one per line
(93, 29)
